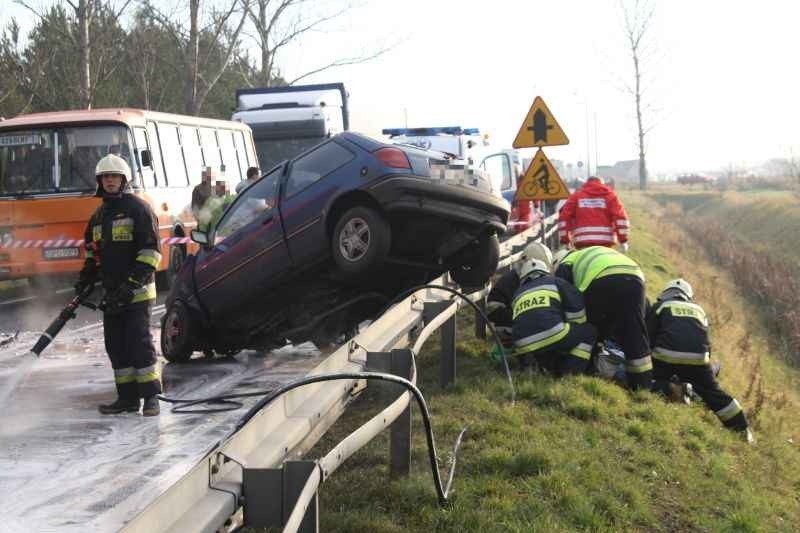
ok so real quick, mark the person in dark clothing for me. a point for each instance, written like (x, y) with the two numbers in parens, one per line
(612, 285)
(122, 243)
(550, 326)
(678, 330)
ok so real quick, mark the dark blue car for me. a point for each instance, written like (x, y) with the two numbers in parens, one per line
(323, 241)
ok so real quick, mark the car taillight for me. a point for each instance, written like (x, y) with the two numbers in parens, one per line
(392, 157)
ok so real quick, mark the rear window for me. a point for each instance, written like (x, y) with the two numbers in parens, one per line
(316, 164)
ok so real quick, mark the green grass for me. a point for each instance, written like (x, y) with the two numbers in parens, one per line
(582, 454)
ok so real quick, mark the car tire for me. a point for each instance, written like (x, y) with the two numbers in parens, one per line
(477, 262)
(166, 278)
(360, 242)
(177, 332)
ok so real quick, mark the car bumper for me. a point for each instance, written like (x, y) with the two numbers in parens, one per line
(456, 203)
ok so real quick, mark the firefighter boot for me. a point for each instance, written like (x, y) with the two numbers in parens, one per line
(151, 407)
(119, 406)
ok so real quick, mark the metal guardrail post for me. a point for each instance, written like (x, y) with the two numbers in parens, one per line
(260, 486)
(398, 362)
(447, 358)
(480, 323)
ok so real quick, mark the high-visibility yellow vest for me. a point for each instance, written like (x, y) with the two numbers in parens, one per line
(589, 264)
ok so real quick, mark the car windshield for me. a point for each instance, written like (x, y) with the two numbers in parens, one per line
(273, 151)
(48, 160)
(254, 201)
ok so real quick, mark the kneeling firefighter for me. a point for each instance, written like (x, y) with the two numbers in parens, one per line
(678, 330)
(550, 321)
(122, 243)
(498, 302)
(612, 285)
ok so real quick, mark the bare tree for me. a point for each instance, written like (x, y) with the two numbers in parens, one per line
(85, 12)
(205, 51)
(278, 23)
(637, 20)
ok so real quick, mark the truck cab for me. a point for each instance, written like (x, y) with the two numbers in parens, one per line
(287, 121)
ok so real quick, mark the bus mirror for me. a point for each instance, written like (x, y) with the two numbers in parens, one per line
(200, 237)
(146, 161)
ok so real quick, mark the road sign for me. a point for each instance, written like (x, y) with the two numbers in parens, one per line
(539, 128)
(541, 181)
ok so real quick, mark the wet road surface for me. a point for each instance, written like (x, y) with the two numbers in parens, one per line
(65, 467)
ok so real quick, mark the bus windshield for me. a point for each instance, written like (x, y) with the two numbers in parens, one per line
(52, 160)
(273, 151)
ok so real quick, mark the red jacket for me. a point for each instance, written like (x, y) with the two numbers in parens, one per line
(591, 216)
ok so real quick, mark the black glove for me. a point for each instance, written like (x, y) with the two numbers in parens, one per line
(118, 299)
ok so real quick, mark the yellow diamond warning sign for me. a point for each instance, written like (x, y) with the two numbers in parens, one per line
(541, 181)
(539, 128)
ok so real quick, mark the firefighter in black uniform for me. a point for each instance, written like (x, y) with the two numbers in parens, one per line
(678, 329)
(498, 303)
(122, 244)
(550, 321)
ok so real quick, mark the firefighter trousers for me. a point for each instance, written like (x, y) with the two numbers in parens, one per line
(615, 304)
(129, 345)
(706, 386)
(569, 355)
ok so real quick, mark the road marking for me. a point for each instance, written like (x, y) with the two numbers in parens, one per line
(17, 300)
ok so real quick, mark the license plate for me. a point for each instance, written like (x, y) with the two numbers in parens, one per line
(61, 253)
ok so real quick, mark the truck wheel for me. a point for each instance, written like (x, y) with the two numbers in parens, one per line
(177, 331)
(166, 278)
(477, 262)
(361, 241)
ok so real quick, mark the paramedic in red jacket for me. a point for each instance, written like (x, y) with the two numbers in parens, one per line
(592, 215)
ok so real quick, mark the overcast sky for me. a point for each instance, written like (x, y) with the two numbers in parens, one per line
(721, 76)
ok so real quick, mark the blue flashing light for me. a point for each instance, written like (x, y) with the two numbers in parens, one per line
(419, 132)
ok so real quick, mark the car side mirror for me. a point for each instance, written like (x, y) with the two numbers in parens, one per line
(200, 237)
(146, 159)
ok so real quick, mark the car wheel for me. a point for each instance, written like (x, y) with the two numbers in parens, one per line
(177, 331)
(477, 262)
(166, 278)
(361, 240)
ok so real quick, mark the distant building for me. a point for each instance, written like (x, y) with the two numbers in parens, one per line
(621, 171)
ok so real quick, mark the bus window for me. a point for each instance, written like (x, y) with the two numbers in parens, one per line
(173, 164)
(232, 168)
(140, 138)
(194, 158)
(208, 141)
(241, 152)
(155, 153)
(26, 162)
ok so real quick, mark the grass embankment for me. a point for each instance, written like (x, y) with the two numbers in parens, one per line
(582, 453)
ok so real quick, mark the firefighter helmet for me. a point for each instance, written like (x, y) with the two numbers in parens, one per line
(526, 267)
(113, 164)
(681, 285)
(537, 250)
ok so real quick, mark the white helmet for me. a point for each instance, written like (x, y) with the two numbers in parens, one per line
(559, 257)
(681, 285)
(113, 164)
(537, 250)
(526, 267)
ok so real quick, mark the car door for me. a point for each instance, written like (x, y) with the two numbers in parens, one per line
(249, 255)
(311, 182)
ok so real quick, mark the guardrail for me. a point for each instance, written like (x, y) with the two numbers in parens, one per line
(256, 476)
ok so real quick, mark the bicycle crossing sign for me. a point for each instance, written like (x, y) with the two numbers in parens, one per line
(541, 181)
(539, 128)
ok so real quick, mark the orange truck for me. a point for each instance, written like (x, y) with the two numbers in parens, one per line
(47, 182)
